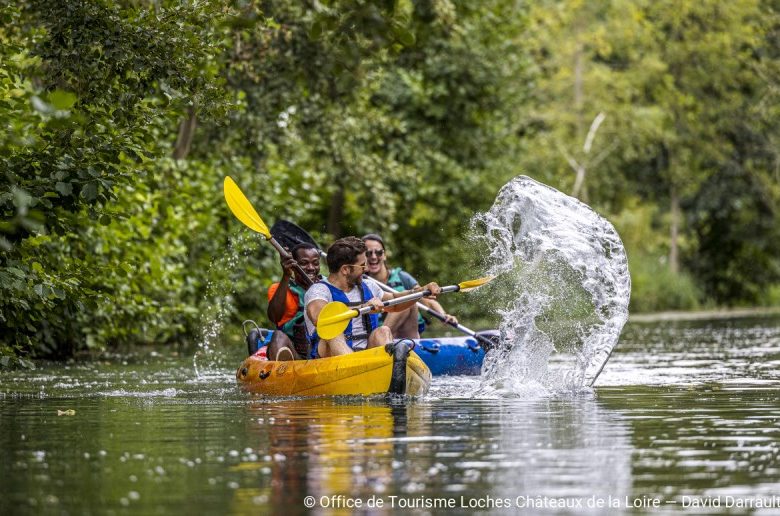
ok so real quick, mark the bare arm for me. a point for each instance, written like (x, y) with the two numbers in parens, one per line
(314, 308)
(433, 305)
(436, 306)
(278, 302)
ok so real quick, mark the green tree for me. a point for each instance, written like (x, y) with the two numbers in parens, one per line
(91, 91)
(653, 99)
(391, 117)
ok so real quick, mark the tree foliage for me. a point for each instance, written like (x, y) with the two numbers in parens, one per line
(688, 93)
(402, 117)
(91, 93)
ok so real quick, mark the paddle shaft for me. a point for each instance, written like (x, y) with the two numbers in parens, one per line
(433, 313)
(471, 333)
(305, 279)
(408, 297)
(418, 295)
(245, 212)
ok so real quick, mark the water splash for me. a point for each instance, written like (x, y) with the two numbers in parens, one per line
(210, 360)
(564, 288)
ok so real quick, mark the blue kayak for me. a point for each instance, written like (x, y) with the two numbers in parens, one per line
(451, 355)
(443, 355)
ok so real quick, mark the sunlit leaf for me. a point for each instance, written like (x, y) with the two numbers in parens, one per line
(62, 99)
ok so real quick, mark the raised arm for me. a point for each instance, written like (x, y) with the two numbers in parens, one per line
(278, 302)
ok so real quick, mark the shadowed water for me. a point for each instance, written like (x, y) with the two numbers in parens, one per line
(682, 410)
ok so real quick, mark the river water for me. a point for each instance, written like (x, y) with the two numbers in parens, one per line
(684, 414)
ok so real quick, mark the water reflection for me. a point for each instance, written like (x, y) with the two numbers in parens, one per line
(705, 440)
(564, 448)
(327, 446)
(739, 351)
(408, 453)
(148, 437)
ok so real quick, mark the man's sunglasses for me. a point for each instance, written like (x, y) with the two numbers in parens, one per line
(378, 252)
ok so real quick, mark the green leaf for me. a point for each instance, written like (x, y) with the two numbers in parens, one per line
(403, 35)
(89, 191)
(16, 272)
(315, 31)
(62, 99)
(65, 189)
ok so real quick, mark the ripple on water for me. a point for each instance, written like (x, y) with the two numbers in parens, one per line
(741, 353)
(199, 444)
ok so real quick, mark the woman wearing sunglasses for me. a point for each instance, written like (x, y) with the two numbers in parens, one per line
(408, 323)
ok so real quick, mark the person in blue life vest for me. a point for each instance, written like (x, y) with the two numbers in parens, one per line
(285, 305)
(408, 323)
(346, 283)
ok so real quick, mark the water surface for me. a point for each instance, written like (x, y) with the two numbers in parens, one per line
(683, 413)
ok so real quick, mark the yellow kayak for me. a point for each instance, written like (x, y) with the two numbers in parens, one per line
(361, 373)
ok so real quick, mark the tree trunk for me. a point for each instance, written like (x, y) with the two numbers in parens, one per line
(336, 212)
(578, 93)
(674, 260)
(580, 189)
(579, 183)
(186, 133)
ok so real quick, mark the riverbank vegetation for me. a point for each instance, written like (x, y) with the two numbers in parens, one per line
(121, 118)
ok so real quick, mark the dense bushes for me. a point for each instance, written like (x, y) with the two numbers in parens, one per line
(93, 234)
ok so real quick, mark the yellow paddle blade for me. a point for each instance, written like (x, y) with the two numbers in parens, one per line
(472, 284)
(333, 319)
(242, 208)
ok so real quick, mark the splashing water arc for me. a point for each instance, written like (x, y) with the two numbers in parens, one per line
(563, 291)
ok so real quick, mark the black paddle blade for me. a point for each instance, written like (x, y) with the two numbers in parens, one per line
(289, 234)
(491, 339)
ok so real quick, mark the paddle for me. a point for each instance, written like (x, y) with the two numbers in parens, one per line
(335, 316)
(290, 235)
(243, 210)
